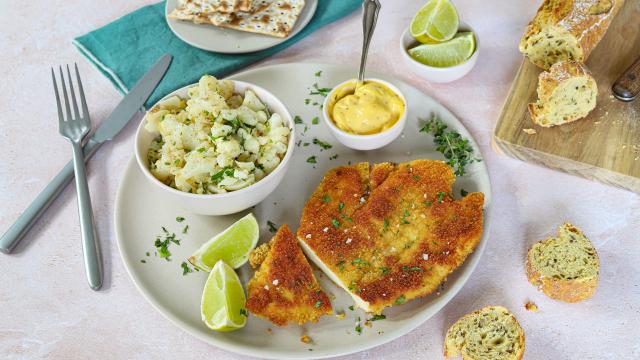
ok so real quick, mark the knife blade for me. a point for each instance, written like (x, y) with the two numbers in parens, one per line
(110, 127)
(627, 87)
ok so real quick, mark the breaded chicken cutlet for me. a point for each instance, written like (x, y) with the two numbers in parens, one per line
(284, 289)
(390, 233)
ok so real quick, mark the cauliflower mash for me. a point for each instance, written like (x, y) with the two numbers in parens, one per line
(215, 141)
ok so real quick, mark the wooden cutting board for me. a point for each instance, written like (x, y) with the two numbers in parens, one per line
(605, 145)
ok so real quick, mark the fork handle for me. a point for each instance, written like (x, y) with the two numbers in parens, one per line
(25, 221)
(92, 263)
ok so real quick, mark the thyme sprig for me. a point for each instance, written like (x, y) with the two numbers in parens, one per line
(456, 149)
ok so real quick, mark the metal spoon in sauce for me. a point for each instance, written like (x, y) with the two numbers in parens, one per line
(370, 10)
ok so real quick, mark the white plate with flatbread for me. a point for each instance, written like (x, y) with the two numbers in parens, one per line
(230, 41)
(141, 210)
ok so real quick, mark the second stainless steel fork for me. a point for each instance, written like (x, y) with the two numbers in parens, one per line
(75, 128)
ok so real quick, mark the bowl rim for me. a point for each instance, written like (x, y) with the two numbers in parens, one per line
(290, 146)
(463, 26)
(383, 134)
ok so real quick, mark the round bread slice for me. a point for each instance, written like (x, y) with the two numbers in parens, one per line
(491, 333)
(566, 93)
(566, 267)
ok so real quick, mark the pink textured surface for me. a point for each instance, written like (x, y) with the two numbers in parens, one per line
(48, 311)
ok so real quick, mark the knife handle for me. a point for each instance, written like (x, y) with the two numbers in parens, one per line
(627, 87)
(25, 221)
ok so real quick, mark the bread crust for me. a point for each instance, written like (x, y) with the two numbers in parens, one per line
(585, 20)
(548, 81)
(450, 350)
(570, 291)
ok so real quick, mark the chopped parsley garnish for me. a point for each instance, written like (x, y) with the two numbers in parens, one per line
(359, 328)
(217, 177)
(307, 101)
(336, 223)
(305, 144)
(404, 220)
(456, 150)
(428, 203)
(359, 261)
(377, 317)
(412, 268)
(186, 229)
(318, 304)
(341, 265)
(297, 120)
(333, 157)
(386, 224)
(180, 219)
(143, 261)
(272, 227)
(244, 312)
(315, 120)
(340, 206)
(401, 300)
(201, 150)
(185, 268)
(324, 145)
(322, 91)
(326, 198)
(351, 307)
(416, 177)
(318, 74)
(312, 160)
(463, 192)
(441, 195)
(385, 270)
(148, 254)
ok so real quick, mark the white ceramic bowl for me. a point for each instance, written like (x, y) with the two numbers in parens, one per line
(233, 201)
(365, 142)
(437, 74)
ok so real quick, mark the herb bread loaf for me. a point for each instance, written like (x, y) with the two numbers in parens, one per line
(566, 267)
(491, 333)
(567, 92)
(567, 30)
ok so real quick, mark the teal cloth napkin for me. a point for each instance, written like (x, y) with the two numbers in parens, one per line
(126, 48)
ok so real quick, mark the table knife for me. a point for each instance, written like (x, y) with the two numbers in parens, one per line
(110, 127)
(627, 87)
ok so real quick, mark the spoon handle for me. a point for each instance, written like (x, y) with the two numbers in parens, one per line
(370, 10)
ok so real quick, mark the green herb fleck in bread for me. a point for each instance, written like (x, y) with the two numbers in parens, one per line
(566, 267)
(491, 333)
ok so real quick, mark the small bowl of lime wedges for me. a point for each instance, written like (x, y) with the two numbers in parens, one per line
(437, 46)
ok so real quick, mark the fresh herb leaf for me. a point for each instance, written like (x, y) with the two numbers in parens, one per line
(318, 304)
(336, 223)
(201, 150)
(312, 160)
(377, 317)
(456, 149)
(386, 224)
(186, 229)
(441, 195)
(359, 329)
(385, 270)
(272, 227)
(340, 206)
(404, 220)
(143, 261)
(297, 120)
(180, 219)
(341, 265)
(359, 261)
(412, 268)
(315, 120)
(463, 192)
(333, 157)
(326, 198)
(322, 91)
(324, 145)
(307, 101)
(401, 300)
(185, 268)
(244, 312)
(226, 171)
(318, 74)
(351, 307)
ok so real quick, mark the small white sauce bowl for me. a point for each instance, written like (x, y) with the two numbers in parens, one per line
(365, 142)
(437, 74)
(233, 201)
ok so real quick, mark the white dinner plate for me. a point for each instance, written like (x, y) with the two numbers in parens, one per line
(141, 211)
(228, 41)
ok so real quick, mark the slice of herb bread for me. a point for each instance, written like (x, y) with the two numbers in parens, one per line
(566, 267)
(567, 92)
(491, 333)
(567, 30)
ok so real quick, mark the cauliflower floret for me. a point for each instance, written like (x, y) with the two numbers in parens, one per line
(252, 102)
(247, 116)
(230, 147)
(197, 169)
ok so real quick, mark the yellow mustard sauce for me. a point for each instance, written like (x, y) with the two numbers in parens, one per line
(369, 108)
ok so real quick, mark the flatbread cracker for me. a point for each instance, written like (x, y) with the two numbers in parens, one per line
(268, 17)
(199, 10)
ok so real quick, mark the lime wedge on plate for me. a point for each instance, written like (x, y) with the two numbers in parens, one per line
(450, 53)
(223, 300)
(232, 245)
(436, 21)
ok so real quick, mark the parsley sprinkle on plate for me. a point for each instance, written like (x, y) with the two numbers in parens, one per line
(312, 160)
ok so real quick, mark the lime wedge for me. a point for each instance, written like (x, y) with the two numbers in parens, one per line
(446, 54)
(223, 300)
(436, 21)
(232, 245)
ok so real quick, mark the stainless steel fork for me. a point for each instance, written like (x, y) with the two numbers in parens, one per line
(75, 128)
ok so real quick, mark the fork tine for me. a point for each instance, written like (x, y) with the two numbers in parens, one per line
(66, 98)
(55, 89)
(76, 113)
(85, 110)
